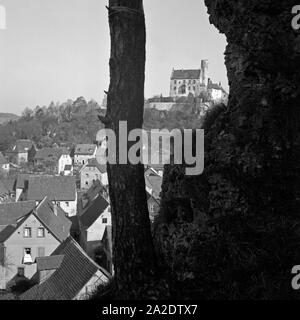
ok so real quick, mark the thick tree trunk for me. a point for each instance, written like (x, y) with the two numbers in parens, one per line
(133, 252)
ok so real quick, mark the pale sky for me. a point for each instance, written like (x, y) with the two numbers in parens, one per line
(54, 50)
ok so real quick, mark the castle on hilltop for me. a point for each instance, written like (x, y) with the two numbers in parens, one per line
(195, 81)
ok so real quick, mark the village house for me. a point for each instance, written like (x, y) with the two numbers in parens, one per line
(61, 190)
(93, 216)
(4, 164)
(21, 152)
(91, 172)
(68, 274)
(215, 91)
(84, 152)
(53, 159)
(31, 231)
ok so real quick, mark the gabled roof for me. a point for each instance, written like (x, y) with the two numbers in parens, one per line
(85, 149)
(93, 163)
(93, 211)
(55, 221)
(50, 154)
(49, 263)
(59, 188)
(54, 218)
(11, 212)
(74, 272)
(186, 74)
(21, 146)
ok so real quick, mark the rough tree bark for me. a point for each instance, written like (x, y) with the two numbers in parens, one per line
(133, 252)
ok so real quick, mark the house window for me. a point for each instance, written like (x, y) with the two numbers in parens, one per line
(104, 220)
(41, 233)
(175, 88)
(27, 233)
(151, 208)
(27, 259)
(40, 252)
(87, 175)
(86, 183)
(175, 81)
(194, 81)
(21, 272)
(194, 88)
(67, 204)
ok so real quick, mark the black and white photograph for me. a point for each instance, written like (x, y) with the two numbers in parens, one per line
(149, 152)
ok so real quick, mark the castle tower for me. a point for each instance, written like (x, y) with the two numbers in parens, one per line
(204, 71)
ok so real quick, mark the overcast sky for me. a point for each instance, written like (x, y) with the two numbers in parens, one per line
(59, 49)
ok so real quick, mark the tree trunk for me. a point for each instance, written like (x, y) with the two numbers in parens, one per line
(133, 252)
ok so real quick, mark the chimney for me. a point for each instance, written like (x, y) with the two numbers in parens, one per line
(55, 208)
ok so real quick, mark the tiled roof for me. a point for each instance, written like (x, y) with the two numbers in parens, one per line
(3, 190)
(21, 146)
(49, 263)
(22, 181)
(85, 149)
(9, 184)
(186, 74)
(94, 163)
(11, 212)
(93, 211)
(67, 281)
(59, 188)
(214, 86)
(57, 223)
(2, 159)
(51, 154)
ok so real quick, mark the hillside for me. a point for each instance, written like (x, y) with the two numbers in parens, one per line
(6, 117)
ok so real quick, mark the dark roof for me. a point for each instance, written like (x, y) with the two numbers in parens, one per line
(59, 188)
(22, 181)
(74, 272)
(186, 74)
(85, 149)
(21, 146)
(9, 184)
(214, 86)
(11, 212)
(94, 163)
(54, 218)
(3, 189)
(93, 211)
(2, 159)
(49, 263)
(51, 154)
(9, 230)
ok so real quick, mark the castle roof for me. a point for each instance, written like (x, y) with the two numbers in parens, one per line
(186, 74)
